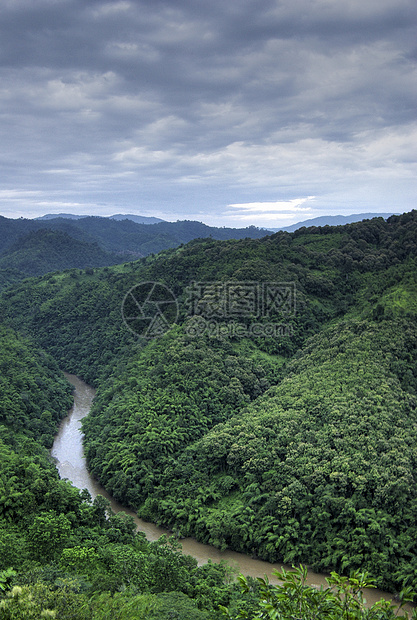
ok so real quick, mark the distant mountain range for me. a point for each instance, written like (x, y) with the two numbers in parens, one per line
(138, 219)
(31, 247)
(324, 220)
(54, 242)
(120, 233)
(333, 220)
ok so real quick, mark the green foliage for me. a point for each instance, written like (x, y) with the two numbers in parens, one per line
(48, 534)
(36, 247)
(9, 277)
(293, 598)
(43, 251)
(5, 578)
(69, 553)
(321, 468)
(19, 604)
(34, 397)
(148, 412)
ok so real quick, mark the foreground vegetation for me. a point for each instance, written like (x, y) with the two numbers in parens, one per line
(300, 448)
(344, 598)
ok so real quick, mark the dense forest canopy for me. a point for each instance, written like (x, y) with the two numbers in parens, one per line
(47, 250)
(299, 447)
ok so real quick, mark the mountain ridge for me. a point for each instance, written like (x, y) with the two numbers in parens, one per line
(123, 235)
(333, 220)
(138, 219)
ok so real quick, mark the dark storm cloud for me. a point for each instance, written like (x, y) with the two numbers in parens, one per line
(183, 108)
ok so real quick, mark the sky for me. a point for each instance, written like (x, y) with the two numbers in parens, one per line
(230, 112)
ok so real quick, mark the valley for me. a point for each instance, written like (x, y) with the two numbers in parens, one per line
(296, 448)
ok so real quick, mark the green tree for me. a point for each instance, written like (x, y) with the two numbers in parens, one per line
(48, 535)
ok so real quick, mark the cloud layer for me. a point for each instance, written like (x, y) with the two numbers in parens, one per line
(192, 109)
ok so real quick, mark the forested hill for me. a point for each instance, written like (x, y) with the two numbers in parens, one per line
(43, 251)
(293, 441)
(140, 219)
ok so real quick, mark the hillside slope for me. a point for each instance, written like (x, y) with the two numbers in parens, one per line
(43, 251)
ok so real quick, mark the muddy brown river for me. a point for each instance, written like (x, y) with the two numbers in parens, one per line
(68, 453)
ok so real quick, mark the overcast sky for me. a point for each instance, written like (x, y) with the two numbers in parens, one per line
(231, 112)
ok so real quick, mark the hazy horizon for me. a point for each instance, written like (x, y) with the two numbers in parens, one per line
(266, 227)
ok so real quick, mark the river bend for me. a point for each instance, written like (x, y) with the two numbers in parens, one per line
(69, 456)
